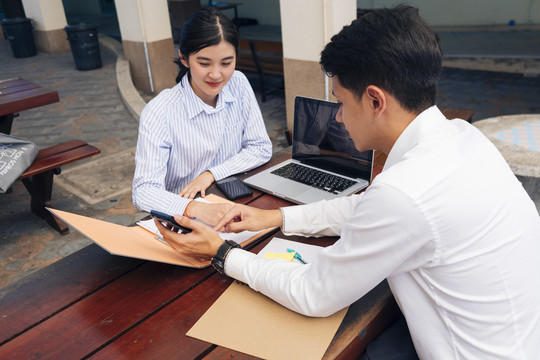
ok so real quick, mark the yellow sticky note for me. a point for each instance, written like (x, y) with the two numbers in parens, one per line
(288, 256)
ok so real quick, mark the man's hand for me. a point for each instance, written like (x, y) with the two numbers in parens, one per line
(208, 213)
(203, 242)
(199, 184)
(243, 217)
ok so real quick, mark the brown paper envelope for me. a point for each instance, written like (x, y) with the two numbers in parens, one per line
(247, 321)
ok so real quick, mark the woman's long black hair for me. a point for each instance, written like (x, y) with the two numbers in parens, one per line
(206, 27)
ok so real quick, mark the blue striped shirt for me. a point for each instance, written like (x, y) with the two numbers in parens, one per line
(180, 137)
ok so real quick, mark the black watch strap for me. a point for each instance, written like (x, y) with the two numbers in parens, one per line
(218, 261)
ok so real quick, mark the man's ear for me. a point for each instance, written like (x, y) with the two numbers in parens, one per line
(377, 99)
(182, 59)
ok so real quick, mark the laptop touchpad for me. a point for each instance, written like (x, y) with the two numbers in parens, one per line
(290, 188)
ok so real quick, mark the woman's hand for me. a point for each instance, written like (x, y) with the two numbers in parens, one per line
(203, 242)
(243, 217)
(208, 213)
(199, 184)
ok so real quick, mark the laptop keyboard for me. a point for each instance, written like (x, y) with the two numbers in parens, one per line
(315, 178)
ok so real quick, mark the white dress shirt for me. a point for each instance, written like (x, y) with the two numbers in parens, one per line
(449, 226)
(180, 137)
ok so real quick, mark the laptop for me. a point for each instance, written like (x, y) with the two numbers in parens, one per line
(325, 163)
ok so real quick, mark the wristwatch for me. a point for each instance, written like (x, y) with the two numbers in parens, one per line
(218, 261)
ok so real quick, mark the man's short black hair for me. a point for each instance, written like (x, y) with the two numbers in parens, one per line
(393, 49)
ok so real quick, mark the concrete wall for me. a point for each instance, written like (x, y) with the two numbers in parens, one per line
(89, 7)
(266, 12)
(469, 12)
(436, 12)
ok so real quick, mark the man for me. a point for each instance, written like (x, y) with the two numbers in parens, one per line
(446, 221)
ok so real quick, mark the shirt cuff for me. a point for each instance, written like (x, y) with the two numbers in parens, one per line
(292, 219)
(235, 262)
(219, 172)
(179, 206)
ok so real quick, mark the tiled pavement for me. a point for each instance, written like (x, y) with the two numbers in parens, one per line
(91, 109)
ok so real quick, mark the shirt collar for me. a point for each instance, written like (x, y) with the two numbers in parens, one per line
(412, 134)
(198, 106)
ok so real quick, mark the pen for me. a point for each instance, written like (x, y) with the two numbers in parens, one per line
(297, 256)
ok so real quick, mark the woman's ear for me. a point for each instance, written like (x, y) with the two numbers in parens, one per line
(377, 100)
(182, 59)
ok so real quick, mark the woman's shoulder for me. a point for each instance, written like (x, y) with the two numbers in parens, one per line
(168, 101)
(167, 97)
(239, 84)
(239, 79)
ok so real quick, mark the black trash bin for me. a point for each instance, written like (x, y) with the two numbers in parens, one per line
(19, 32)
(83, 40)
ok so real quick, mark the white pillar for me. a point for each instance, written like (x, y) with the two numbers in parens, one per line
(148, 45)
(49, 21)
(306, 27)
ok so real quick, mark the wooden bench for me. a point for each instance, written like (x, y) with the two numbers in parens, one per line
(454, 113)
(38, 178)
(263, 57)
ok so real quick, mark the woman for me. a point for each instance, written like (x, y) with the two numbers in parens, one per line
(207, 127)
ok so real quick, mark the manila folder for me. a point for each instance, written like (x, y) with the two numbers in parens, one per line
(134, 242)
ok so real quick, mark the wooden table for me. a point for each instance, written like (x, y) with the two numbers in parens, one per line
(16, 95)
(99, 306)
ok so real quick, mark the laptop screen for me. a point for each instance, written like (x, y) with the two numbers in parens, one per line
(320, 141)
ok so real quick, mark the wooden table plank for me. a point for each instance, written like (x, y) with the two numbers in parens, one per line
(18, 88)
(40, 97)
(55, 287)
(17, 94)
(7, 83)
(105, 314)
(163, 335)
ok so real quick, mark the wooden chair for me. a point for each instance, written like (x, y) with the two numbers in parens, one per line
(264, 58)
(455, 113)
